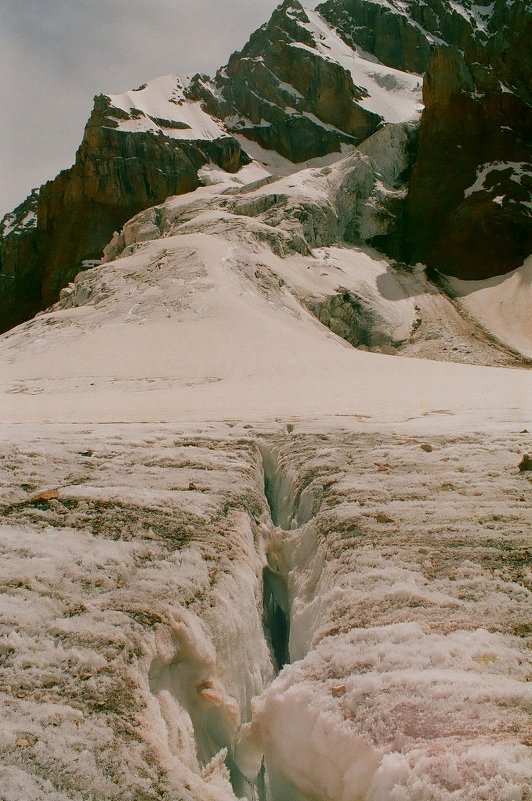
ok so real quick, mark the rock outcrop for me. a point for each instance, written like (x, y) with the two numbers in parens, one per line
(468, 208)
(116, 174)
(404, 33)
(305, 85)
(382, 30)
(282, 92)
(20, 256)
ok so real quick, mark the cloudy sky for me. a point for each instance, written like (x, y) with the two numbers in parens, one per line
(55, 55)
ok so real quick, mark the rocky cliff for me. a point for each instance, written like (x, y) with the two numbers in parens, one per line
(295, 88)
(307, 84)
(284, 92)
(117, 172)
(468, 208)
(404, 33)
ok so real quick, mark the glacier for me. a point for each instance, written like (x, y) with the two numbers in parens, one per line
(263, 530)
(242, 558)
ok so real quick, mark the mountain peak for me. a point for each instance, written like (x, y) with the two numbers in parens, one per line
(307, 84)
(293, 7)
(251, 457)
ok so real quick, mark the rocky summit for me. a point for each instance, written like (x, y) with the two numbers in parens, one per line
(265, 445)
(307, 84)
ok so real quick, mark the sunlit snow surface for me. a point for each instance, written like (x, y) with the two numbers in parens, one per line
(393, 94)
(139, 416)
(502, 305)
(204, 317)
(162, 107)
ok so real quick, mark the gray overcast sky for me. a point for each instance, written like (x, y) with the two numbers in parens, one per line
(55, 55)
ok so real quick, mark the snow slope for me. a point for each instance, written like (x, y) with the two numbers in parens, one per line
(202, 483)
(162, 106)
(185, 329)
(502, 305)
(393, 94)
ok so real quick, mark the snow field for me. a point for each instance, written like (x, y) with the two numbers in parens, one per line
(161, 106)
(501, 305)
(188, 455)
(208, 319)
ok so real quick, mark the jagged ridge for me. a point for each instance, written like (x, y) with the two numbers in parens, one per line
(304, 86)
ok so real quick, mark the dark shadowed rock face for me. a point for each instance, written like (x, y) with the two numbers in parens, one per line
(380, 30)
(404, 33)
(284, 94)
(115, 175)
(468, 209)
(20, 289)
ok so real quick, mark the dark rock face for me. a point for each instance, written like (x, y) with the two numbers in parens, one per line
(404, 34)
(467, 211)
(381, 30)
(115, 175)
(285, 95)
(20, 290)
(468, 207)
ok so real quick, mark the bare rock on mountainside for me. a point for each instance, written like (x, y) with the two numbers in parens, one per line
(287, 96)
(468, 211)
(116, 174)
(404, 33)
(285, 90)
(525, 463)
(308, 84)
(468, 207)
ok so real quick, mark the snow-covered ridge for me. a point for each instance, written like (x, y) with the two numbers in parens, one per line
(477, 14)
(391, 93)
(161, 106)
(23, 218)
